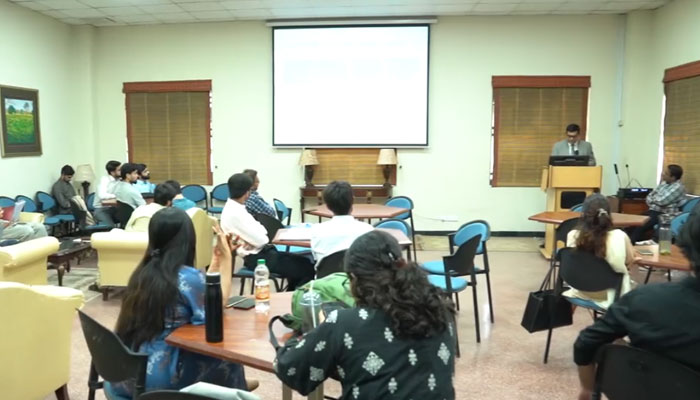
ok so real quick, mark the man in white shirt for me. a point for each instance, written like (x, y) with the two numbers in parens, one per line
(338, 233)
(253, 237)
(162, 197)
(105, 215)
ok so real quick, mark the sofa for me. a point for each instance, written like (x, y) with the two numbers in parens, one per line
(35, 339)
(26, 262)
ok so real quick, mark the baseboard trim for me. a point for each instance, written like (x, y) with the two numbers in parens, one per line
(498, 233)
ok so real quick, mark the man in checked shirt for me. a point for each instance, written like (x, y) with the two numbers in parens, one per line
(255, 203)
(665, 199)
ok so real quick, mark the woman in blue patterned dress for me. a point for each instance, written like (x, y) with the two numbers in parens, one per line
(164, 293)
(397, 343)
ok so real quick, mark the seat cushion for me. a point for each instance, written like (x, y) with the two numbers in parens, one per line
(458, 284)
(51, 221)
(111, 395)
(244, 273)
(292, 249)
(585, 304)
(65, 217)
(215, 210)
(434, 267)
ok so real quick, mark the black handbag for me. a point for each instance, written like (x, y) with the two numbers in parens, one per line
(546, 308)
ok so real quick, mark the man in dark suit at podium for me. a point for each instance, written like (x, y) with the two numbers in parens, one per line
(573, 145)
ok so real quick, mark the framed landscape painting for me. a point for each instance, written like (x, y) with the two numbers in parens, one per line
(20, 122)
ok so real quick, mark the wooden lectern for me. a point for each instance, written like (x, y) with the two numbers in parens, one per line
(558, 180)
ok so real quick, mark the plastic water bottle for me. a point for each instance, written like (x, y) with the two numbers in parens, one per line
(262, 287)
(665, 234)
(213, 309)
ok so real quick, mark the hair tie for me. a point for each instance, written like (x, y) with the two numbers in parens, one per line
(155, 253)
(602, 212)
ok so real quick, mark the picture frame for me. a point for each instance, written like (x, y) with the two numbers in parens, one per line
(21, 135)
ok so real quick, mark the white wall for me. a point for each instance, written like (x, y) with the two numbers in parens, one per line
(656, 40)
(450, 178)
(45, 54)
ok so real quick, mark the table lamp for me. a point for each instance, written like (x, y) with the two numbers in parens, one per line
(387, 158)
(84, 175)
(308, 160)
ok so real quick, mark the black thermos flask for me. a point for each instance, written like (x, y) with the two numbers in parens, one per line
(213, 308)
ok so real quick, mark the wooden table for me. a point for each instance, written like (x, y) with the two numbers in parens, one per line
(557, 217)
(676, 260)
(404, 241)
(246, 338)
(68, 250)
(360, 211)
(366, 192)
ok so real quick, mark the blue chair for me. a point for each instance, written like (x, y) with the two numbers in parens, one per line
(6, 202)
(220, 193)
(29, 204)
(677, 223)
(405, 202)
(393, 223)
(83, 228)
(586, 272)
(463, 234)
(195, 193)
(577, 208)
(89, 202)
(272, 225)
(458, 273)
(47, 203)
(690, 204)
(283, 212)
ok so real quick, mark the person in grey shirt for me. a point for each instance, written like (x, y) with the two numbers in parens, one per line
(124, 190)
(573, 145)
(63, 191)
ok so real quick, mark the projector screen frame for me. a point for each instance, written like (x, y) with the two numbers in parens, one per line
(354, 145)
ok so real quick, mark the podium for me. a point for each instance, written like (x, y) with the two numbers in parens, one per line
(558, 182)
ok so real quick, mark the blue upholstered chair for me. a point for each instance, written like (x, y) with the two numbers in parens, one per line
(219, 193)
(30, 206)
(89, 202)
(394, 223)
(195, 193)
(677, 223)
(459, 273)
(47, 203)
(463, 234)
(690, 204)
(405, 202)
(577, 208)
(283, 212)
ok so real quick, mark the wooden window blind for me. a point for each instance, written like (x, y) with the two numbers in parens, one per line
(530, 115)
(168, 129)
(682, 122)
(357, 166)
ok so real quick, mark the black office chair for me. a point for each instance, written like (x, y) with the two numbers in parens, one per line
(272, 225)
(630, 373)
(560, 235)
(330, 264)
(586, 272)
(111, 359)
(123, 213)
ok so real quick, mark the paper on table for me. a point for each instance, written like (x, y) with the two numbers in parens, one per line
(299, 233)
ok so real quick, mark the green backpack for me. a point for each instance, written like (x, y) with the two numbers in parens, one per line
(332, 288)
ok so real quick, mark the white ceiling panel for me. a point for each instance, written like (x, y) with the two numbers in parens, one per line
(106, 12)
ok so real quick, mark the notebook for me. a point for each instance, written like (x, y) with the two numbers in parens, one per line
(12, 213)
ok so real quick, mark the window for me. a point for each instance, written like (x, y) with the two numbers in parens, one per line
(531, 114)
(681, 132)
(168, 129)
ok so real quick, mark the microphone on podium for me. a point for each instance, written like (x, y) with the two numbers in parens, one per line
(576, 152)
(629, 180)
(619, 183)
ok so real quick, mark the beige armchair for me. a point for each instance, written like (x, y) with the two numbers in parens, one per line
(31, 217)
(35, 339)
(26, 262)
(119, 252)
(204, 233)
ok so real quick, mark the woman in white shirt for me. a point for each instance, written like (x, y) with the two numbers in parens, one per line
(595, 234)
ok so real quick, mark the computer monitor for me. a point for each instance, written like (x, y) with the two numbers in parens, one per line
(569, 161)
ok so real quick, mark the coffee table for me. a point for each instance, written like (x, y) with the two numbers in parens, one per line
(674, 261)
(68, 250)
(360, 211)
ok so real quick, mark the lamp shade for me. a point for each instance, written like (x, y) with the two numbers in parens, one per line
(308, 157)
(84, 173)
(387, 157)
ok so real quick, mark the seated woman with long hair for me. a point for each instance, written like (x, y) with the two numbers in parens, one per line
(595, 234)
(397, 343)
(164, 293)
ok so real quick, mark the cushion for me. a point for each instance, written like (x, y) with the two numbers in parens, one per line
(458, 284)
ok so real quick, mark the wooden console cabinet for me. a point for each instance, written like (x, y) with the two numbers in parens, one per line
(361, 192)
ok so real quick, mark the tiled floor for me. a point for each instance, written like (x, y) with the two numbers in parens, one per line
(507, 364)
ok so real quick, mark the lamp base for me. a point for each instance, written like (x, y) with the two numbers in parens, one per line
(308, 175)
(86, 187)
(387, 175)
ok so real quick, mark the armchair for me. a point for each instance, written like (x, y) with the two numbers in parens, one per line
(26, 262)
(118, 254)
(35, 339)
(204, 236)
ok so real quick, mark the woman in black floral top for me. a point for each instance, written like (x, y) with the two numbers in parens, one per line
(398, 343)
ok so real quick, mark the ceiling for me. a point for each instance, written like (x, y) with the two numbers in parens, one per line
(139, 12)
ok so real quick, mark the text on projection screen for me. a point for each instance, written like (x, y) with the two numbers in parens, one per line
(351, 86)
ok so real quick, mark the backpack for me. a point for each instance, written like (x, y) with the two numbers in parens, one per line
(332, 288)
